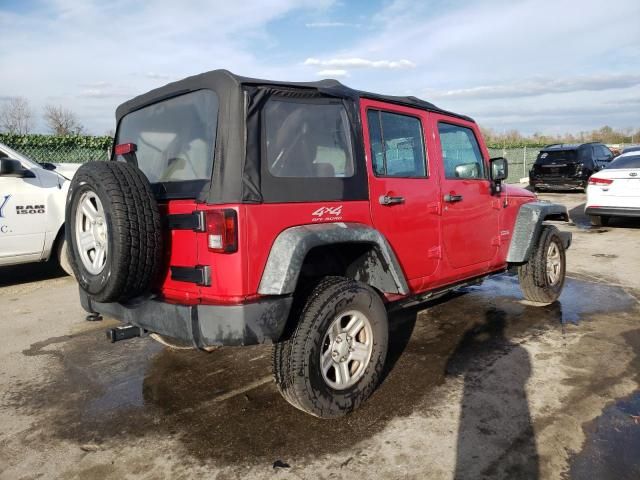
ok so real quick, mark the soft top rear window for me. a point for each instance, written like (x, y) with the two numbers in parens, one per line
(560, 156)
(175, 140)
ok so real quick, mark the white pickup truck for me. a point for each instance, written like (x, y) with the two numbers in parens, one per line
(32, 205)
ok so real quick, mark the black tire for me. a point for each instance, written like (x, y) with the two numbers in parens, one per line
(296, 361)
(134, 235)
(599, 220)
(534, 281)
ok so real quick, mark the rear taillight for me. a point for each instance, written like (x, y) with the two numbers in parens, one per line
(222, 230)
(125, 148)
(600, 181)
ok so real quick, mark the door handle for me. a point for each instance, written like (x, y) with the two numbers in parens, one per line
(387, 200)
(452, 198)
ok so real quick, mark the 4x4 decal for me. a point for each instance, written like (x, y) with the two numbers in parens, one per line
(328, 214)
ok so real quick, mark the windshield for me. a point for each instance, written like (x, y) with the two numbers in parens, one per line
(631, 161)
(175, 138)
(557, 157)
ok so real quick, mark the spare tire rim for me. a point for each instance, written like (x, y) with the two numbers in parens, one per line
(554, 263)
(346, 349)
(92, 233)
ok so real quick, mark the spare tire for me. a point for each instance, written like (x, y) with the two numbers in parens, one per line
(113, 231)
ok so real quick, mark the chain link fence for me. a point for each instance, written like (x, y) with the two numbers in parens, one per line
(61, 153)
(520, 160)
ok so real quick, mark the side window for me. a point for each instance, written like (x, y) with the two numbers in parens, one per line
(397, 145)
(605, 153)
(460, 152)
(307, 140)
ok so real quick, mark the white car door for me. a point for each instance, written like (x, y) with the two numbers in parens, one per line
(23, 219)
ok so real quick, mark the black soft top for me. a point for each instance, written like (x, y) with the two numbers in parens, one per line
(223, 81)
(238, 174)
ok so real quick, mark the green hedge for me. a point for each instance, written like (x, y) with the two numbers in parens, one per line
(54, 141)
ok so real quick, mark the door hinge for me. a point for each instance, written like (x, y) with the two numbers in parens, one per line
(496, 203)
(187, 221)
(496, 241)
(434, 252)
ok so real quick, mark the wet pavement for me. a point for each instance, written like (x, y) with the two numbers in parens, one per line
(479, 384)
(107, 394)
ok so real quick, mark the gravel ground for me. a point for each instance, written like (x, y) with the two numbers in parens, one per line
(478, 385)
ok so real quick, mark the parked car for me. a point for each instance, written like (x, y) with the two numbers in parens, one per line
(615, 191)
(632, 148)
(32, 208)
(568, 166)
(238, 211)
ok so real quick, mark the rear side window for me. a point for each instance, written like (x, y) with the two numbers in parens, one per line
(175, 138)
(397, 144)
(307, 139)
(460, 152)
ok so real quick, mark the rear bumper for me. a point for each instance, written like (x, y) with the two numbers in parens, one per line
(559, 184)
(613, 211)
(202, 325)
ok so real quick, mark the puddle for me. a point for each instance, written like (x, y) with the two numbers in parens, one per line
(109, 394)
(613, 444)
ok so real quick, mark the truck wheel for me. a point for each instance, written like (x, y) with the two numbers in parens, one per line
(63, 257)
(542, 277)
(599, 220)
(113, 230)
(333, 360)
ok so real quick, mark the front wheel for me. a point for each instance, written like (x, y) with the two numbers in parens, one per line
(333, 360)
(542, 277)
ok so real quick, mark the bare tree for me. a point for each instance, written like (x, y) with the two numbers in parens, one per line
(16, 116)
(62, 121)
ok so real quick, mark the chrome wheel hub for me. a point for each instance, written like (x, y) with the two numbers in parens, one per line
(346, 349)
(554, 264)
(92, 233)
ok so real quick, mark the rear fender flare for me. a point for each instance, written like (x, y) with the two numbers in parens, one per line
(528, 227)
(290, 249)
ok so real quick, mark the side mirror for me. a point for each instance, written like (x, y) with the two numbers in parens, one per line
(13, 168)
(499, 169)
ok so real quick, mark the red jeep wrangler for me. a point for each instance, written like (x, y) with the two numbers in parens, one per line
(238, 211)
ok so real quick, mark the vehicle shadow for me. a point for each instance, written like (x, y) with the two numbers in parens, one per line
(29, 272)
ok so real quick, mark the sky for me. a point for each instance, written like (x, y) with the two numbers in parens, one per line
(531, 65)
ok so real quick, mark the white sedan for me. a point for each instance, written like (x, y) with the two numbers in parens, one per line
(32, 205)
(615, 190)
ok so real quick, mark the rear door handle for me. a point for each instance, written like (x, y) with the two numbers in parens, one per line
(452, 198)
(387, 200)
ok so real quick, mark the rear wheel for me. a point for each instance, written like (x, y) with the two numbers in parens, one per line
(542, 277)
(333, 360)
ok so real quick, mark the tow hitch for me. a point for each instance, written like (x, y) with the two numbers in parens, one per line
(124, 332)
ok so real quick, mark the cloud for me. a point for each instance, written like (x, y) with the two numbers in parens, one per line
(157, 76)
(331, 25)
(333, 73)
(543, 86)
(360, 63)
